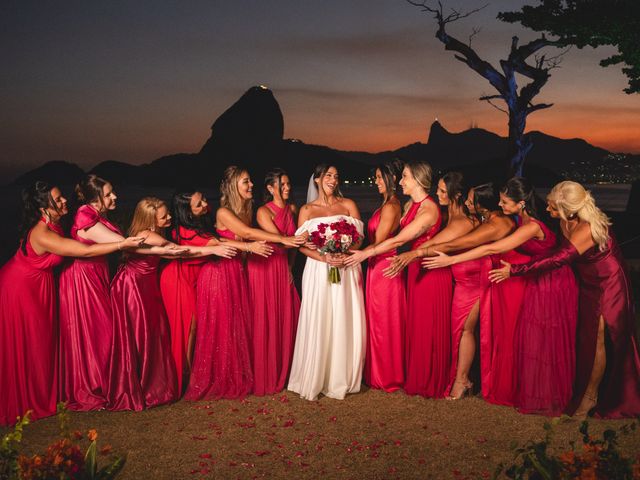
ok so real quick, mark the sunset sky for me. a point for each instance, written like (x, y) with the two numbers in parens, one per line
(132, 81)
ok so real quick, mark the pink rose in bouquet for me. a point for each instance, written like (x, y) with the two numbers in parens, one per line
(336, 237)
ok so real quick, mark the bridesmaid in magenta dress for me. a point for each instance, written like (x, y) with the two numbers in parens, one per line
(86, 321)
(608, 365)
(385, 297)
(428, 324)
(545, 333)
(178, 280)
(274, 300)
(222, 356)
(28, 307)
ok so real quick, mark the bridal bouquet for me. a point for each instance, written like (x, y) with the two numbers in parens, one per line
(336, 237)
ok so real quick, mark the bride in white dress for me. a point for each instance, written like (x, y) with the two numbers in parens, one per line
(330, 344)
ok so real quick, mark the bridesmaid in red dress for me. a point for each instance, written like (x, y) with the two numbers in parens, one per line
(496, 336)
(428, 325)
(28, 310)
(222, 356)
(274, 300)
(385, 297)
(608, 365)
(545, 333)
(142, 370)
(178, 279)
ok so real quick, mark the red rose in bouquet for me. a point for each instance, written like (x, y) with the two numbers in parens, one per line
(336, 237)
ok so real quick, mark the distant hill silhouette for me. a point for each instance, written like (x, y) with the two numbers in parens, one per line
(250, 133)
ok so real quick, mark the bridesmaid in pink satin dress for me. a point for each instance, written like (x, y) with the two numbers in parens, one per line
(178, 280)
(274, 300)
(28, 307)
(545, 333)
(385, 298)
(222, 356)
(428, 324)
(608, 365)
(86, 321)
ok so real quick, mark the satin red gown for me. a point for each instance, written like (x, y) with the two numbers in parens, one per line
(500, 312)
(222, 356)
(86, 322)
(28, 335)
(605, 291)
(142, 370)
(471, 282)
(178, 281)
(546, 335)
(385, 302)
(275, 306)
(428, 326)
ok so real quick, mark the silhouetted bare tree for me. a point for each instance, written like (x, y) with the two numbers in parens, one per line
(519, 101)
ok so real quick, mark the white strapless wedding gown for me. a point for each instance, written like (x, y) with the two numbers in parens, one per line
(330, 343)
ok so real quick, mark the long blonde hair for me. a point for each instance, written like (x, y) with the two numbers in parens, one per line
(422, 174)
(230, 196)
(573, 200)
(144, 216)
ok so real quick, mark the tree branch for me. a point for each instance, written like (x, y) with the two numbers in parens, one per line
(539, 106)
(488, 98)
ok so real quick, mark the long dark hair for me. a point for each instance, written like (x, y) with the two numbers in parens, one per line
(34, 198)
(519, 189)
(456, 189)
(391, 172)
(184, 217)
(273, 179)
(485, 197)
(320, 172)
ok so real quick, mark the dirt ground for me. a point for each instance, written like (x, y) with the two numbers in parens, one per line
(368, 435)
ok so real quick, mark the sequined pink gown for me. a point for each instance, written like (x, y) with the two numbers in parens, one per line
(546, 335)
(222, 356)
(275, 306)
(386, 309)
(142, 371)
(86, 322)
(428, 327)
(28, 335)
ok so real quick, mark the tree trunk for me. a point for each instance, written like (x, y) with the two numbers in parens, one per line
(519, 144)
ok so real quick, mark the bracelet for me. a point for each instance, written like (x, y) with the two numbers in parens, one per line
(119, 245)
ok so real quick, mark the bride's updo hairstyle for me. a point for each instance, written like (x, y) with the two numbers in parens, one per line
(90, 189)
(574, 201)
(230, 196)
(320, 171)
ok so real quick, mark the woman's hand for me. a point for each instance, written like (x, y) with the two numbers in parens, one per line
(295, 241)
(335, 259)
(500, 274)
(174, 250)
(260, 248)
(442, 260)
(224, 251)
(398, 263)
(356, 257)
(131, 242)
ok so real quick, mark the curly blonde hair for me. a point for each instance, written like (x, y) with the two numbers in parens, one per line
(230, 196)
(573, 200)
